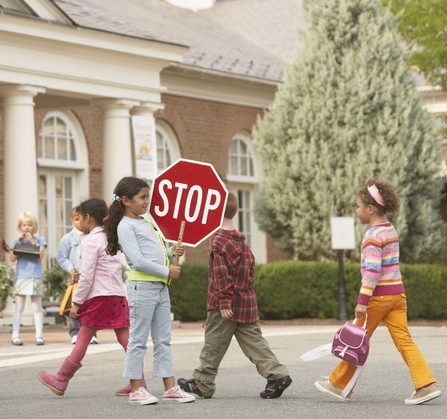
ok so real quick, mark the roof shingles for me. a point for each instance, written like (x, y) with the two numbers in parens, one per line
(214, 43)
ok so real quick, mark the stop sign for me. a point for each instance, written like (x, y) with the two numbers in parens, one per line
(189, 191)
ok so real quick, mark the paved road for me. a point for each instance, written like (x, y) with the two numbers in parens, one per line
(381, 392)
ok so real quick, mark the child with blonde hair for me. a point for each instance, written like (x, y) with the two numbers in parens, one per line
(28, 278)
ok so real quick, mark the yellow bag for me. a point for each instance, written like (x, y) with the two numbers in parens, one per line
(67, 300)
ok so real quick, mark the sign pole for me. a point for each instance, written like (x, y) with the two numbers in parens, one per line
(179, 241)
(342, 313)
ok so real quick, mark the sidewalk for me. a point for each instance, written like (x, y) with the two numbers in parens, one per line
(59, 333)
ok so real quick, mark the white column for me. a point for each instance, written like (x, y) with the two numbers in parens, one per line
(19, 155)
(117, 155)
(19, 162)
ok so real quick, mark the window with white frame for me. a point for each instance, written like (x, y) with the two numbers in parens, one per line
(168, 150)
(240, 158)
(242, 177)
(62, 175)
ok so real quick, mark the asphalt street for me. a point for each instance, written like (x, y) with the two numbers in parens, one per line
(380, 393)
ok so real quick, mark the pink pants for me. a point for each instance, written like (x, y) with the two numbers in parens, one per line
(84, 337)
(392, 310)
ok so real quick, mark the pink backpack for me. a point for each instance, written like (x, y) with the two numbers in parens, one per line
(351, 343)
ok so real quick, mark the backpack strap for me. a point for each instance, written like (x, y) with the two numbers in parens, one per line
(317, 352)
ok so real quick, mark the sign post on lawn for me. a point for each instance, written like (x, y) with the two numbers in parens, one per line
(342, 237)
(188, 202)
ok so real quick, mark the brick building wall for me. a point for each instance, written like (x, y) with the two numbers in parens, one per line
(204, 130)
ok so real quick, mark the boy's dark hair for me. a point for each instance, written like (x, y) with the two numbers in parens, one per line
(95, 207)
(232, 205)
(127, 187)
(388, 193)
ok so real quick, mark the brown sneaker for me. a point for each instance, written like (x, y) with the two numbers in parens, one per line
(275, 388)
(190, 386)
(327, 388)
(424, 394)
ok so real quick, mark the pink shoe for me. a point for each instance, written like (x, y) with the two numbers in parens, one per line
(125, 391)
(142, 396)
(177, 394)
(58, 382)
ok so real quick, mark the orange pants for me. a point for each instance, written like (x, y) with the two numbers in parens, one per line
(392, 309)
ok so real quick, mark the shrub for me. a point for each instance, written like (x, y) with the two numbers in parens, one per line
(6, 283)
(287, 290)
(293, 289)
(189, 292)
(55, 283)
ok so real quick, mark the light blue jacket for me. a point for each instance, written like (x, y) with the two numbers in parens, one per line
(69, 251)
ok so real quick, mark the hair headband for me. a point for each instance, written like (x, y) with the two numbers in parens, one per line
(376, 194)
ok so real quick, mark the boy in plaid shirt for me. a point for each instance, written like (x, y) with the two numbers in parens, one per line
(233, 311)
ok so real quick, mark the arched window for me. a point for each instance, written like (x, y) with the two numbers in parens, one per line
(241, 163)
(62, 175)
(243, 175)
(168, 150)
(58, 143)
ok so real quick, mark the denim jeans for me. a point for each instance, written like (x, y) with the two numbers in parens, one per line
(150, 310)
(73, 326)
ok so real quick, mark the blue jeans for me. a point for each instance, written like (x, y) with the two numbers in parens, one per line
(150, 310)
(73, 326)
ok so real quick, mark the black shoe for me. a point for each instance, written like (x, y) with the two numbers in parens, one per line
(275, 388)
(190, 386)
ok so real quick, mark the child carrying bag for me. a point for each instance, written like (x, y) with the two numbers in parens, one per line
(27, 249)
(350, 343)
(67, 299)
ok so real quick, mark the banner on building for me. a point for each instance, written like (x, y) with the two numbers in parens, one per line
(145, 146)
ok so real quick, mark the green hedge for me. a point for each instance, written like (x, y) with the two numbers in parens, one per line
(291, 290)
(188, 293)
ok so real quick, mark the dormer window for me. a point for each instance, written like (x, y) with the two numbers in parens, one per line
(16, 6)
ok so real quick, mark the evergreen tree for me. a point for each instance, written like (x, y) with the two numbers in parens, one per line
(348, 111)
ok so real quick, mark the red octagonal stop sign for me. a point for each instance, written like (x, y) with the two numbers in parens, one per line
(189, 191)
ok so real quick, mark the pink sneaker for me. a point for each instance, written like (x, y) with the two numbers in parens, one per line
(177, 394)
(125, 391)
(142, 396)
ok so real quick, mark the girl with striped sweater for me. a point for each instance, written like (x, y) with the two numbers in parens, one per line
(382, 294)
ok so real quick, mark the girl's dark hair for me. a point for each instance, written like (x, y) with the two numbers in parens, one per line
(388, 193)
(127, 187)
(95, 207)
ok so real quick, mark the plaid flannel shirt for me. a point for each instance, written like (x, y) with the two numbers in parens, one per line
(231, 277)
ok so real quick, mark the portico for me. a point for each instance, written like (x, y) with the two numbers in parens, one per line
(53, 65)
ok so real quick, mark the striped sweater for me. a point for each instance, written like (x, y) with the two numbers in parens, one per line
(380, 263)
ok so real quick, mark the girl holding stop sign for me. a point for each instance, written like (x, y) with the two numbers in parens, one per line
(130, 230)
